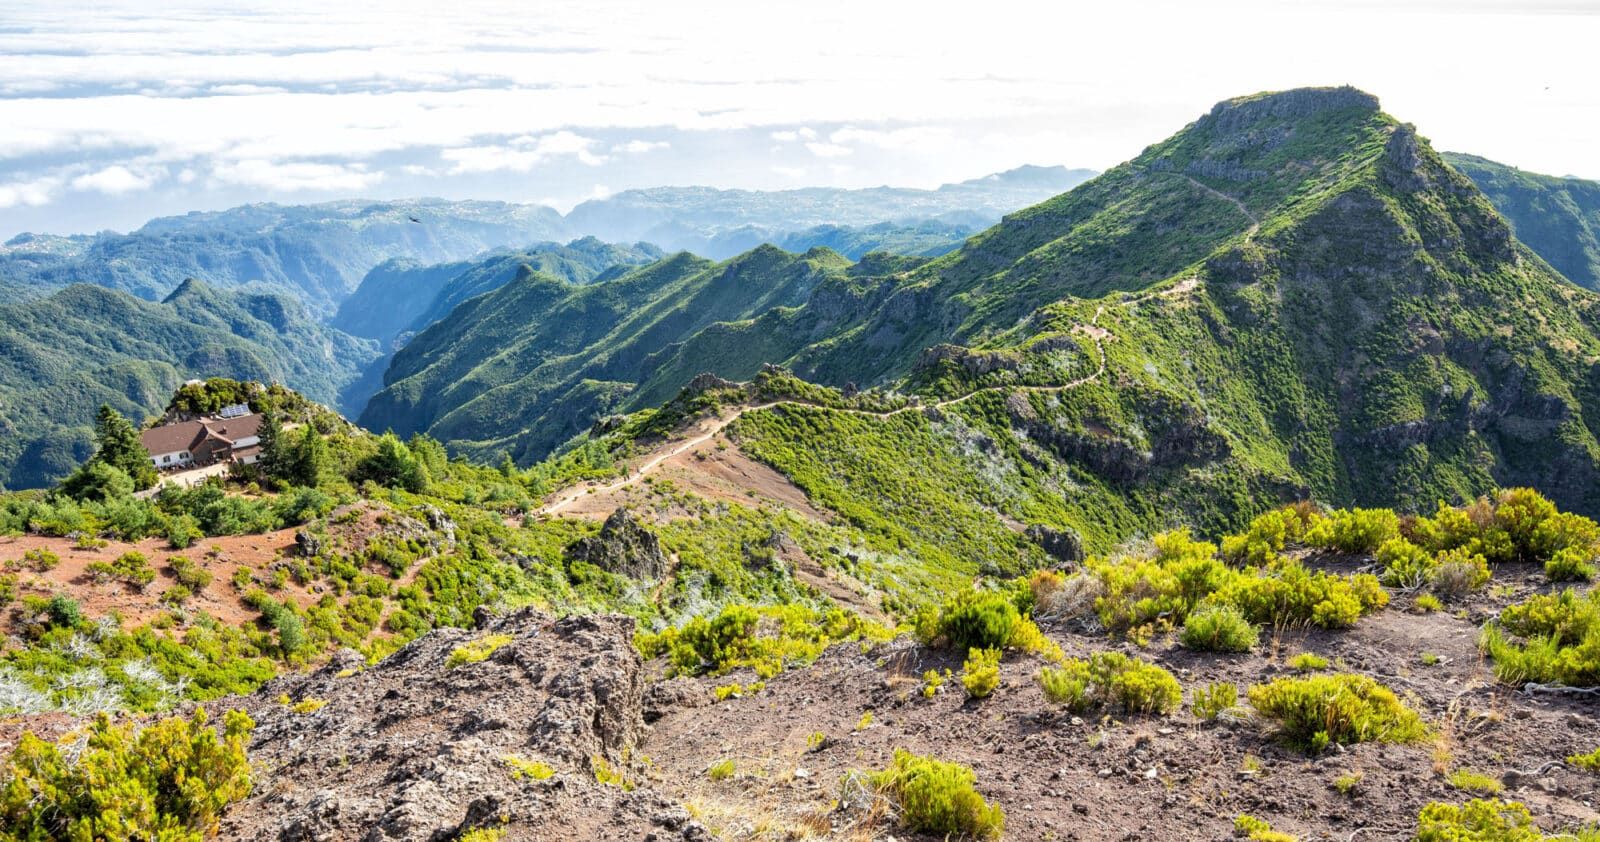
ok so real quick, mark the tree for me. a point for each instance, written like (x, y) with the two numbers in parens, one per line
(394, 465)
(310, 459)
(271, 461)
(119, 446)
(97, 480)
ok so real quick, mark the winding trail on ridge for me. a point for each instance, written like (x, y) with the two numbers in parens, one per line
(717, 425)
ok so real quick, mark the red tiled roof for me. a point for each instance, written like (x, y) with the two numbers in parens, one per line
(186, 435)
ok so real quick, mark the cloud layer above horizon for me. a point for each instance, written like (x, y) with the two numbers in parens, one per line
(112, 115)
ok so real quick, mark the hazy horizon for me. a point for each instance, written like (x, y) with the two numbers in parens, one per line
(122, 113)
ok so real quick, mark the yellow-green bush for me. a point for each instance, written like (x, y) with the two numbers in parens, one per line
(1353, 530)
(1258, 830)
(1547, 639)
(1479, 820)
(1219, 628)
(1315, 711)
(1405, 565)
(1112, 678)
(971, 619)
(766, 639)
(932, 796)
(477, 650)
(1470, 781)
(981, 673)
(1181, 574)
(169, 780)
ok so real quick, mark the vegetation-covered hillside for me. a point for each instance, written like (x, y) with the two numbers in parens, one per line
(407, 295)
(68, 353)
(1348, 318)
(522, 369)
(1557, 217)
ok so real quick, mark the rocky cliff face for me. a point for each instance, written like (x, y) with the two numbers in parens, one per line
(424, 746)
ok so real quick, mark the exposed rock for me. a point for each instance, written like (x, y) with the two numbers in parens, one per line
(309, 543)
(414, 749)
(623, 546)
(1063, 545)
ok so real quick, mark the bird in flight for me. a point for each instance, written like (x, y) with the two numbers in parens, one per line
(414, 219)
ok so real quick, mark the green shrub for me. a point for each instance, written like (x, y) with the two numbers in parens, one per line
(1570, 564)
(1258, 830)
(1112, 678)
(190, 575)
(169, 780)
(1211, 700)
(477, 650)
(767, 639)
(1547, 639)
(1068, 685)
(1405, 565)
(932, 796)
(63, 611)
(1220, 628)
(971, 619)
(130, 568)
(1315, 711)
(981, 673)
(1458, 571)
(521, 768)
(1428, 603)
(1354, 530)
(40, 560)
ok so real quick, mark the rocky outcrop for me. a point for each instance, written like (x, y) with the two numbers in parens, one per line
(622, 546)
(1063, 545)
(417, 747)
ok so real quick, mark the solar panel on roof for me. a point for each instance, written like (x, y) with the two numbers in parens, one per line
(235, 411)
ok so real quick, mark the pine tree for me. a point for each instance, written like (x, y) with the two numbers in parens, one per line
(310, 459)
(120, 447)
(271, 461)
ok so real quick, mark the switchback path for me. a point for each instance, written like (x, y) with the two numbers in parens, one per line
(720, 423)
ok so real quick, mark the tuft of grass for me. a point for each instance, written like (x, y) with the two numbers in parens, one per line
(309, 705)
(605, 773)
(865, 721)
(1470, 781)
(1428, 603)
(1348, 783)
(1308, 662)
(1429, 659)
(1211, 700)
(477, 650)
(721, 770)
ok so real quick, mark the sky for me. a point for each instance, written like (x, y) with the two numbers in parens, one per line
(114, 113)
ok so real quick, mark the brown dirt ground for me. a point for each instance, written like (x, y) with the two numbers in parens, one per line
(715, 470)
(223, 556)
(1132, 777)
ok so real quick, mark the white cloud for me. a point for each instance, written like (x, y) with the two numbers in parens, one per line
(828, 150)
(522, 153)
(116, 180)
(298, 176)
(791, 173)
(639, 147)
(786, 136)
(32, 193)
(893, 139)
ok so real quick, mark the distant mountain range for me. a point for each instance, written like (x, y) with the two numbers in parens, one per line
(318, 252)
